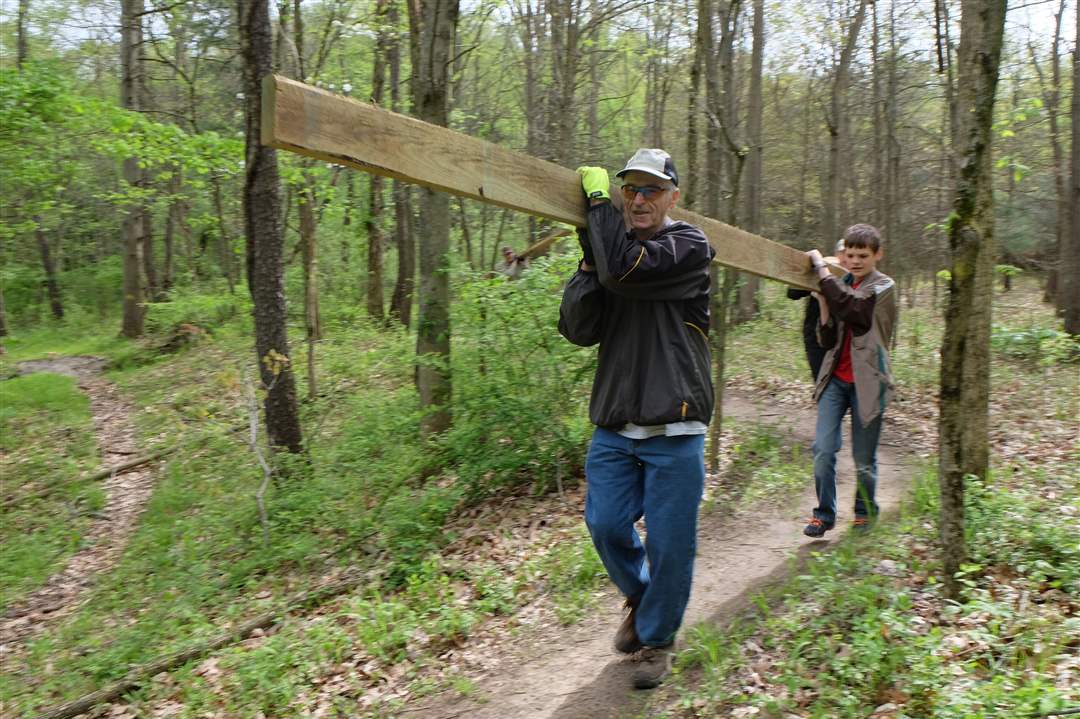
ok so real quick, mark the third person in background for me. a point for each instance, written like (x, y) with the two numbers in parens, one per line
(815, 353)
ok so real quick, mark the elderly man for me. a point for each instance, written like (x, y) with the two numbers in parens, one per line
(642, 293)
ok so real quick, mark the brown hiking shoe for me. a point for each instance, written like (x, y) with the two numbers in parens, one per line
(626, 638)
(653, 666)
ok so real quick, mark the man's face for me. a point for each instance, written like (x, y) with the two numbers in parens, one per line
(646, 216)
(861, 261)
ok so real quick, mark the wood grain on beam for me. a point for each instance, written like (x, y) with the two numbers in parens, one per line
(313, 122)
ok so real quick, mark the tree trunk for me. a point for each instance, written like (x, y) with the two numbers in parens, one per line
(878, 116)
(837, 124)
(1070, 266)
(49, 267)
(264, 236)
(714, 111)
(401, 299)
(130, 43)
(804, 165)
(21, 52)
(3, 316)
(224, 245)
(1052, 103)
(375, 252)
(432, 31)
(375, 194)
(305, 210)
(691, 183)
(153, 287)
(710, 193)
(748, 292)
(965, 350)
(592, 112)
(891, 218)
(718, 322)
(173, 219)
(346, 220)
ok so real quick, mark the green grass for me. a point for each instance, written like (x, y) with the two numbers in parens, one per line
(198, 559)
(844, 637)
(63, 340)
(765, 464)
(46, 440)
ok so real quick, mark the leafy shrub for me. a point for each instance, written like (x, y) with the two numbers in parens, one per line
(1040, 345)
(521, 390)
(97, 287)
(201, 310)
(1019, 529)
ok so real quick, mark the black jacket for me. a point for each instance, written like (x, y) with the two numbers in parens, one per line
(648, 307)
(815, 353)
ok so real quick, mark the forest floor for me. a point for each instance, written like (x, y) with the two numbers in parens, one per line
(126, 495)
(507, 612)
(573, 672)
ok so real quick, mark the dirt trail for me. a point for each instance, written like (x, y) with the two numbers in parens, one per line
(576, 674)
(125, 497)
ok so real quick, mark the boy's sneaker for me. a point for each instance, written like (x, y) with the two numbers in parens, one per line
(626, 638)
(816, 528)
(653, 666)
(862, 525)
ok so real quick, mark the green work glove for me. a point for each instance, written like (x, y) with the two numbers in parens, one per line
(594, 181)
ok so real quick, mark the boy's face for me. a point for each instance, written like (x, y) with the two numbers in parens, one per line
(861, 261)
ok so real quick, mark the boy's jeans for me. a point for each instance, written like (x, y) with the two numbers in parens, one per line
(837, 398)
(662, 479)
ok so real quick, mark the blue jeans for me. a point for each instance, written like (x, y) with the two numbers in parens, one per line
(835, 401)
(661, 479)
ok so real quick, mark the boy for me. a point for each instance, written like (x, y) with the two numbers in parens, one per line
(858, 315)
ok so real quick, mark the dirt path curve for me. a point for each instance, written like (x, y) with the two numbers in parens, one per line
(125, 496)
(576, 674)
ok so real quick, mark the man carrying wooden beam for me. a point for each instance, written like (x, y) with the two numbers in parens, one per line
(642, 293)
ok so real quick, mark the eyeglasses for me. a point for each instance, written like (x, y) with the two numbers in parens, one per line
(648, 192)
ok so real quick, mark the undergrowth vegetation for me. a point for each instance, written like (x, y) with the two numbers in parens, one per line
(863, 630)
(370, 495)
(46, 443)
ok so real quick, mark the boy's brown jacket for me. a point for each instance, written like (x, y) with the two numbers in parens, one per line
(870, 311)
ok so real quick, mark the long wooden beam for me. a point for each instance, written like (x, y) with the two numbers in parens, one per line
(313, 122)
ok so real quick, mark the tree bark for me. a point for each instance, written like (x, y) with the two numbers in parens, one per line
(404, 286)
(305, 210)
(173, 218)
(836, 121)
(265, 237)
(224, 241)
(965, 350)
(401, 299)
(691, 184)
(153, 286)
(710, 194)
(1052, 102)
(1070, 266)
(375, 194)
(21, 51)
(49, 267)
(3, 316)
(747, 306)
(131, 13)
(432, 31)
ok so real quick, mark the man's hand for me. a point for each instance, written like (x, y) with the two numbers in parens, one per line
(594, 181)
(816, 260)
